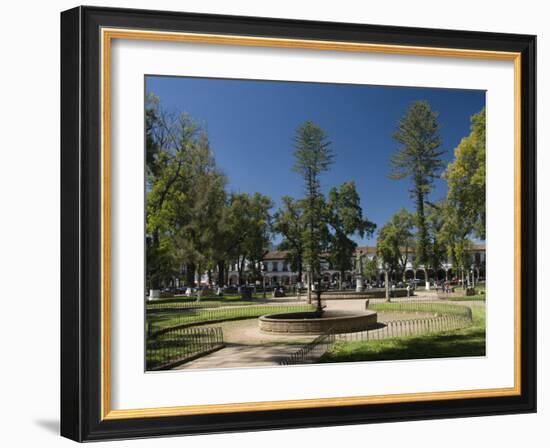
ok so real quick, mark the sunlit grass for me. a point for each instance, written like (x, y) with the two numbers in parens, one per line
(468, 341)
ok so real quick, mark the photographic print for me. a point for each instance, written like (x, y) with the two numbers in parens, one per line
(252, 207)
(292, 223)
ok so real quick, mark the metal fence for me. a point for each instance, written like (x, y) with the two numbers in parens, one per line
(409, 327)
(310, 352)
(177, 346)
(447, 309)
(167, 307)
(200, 315)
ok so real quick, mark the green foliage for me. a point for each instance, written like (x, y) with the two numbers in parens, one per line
(370, 267)
(249, 222)
(437, 248)
(289, 222)
(345, 219)
(419, 159)
(466, 178)
(313, 156)
(394, 241)
(198, 215)
(463, 213)
(177, 155)
(190, 220)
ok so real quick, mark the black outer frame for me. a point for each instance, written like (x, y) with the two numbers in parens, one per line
(80, 223)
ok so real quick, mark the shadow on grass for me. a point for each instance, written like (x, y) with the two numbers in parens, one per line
(469, 342)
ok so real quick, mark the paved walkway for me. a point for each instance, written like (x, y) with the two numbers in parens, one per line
(241, 355)
(246, 346)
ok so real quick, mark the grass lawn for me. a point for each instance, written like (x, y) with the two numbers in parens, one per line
(229, 299)
(465, 342)
(476, 298)
(422, 307)
(199, 316)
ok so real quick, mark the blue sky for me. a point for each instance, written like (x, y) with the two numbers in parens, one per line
(251, 125)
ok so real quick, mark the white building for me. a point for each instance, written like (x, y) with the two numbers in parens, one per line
(277, 268)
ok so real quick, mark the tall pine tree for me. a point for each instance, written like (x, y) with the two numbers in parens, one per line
(419, 159)
(313, 156)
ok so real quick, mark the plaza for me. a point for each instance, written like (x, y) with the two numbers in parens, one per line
(340, 253)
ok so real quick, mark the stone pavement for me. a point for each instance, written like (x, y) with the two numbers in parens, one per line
(242, 355)
(246, 346)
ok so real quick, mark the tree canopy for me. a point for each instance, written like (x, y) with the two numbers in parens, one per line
(465, 177)
(418, 158)
(290, 223)
(345, 219)
(313, 155)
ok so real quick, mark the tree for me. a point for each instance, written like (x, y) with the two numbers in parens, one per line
(465, 176)
(370, 267)
(345, 218)
(185, 196)
(313, 156)
(168, 142)
(386, 244)
(418, 158)
(464, 211)
(190, 219)
(200, 210)
(393, 243)
(289, 222)
(249, 222)
(454, 235)
(435, 219)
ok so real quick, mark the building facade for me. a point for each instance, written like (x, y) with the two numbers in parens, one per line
(277, 269)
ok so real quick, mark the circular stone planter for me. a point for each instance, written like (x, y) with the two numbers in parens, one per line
(308, 322)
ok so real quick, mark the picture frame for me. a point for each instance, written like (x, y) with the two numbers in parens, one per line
(86, 37)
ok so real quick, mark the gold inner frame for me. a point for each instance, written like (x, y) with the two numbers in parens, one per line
(107, 35)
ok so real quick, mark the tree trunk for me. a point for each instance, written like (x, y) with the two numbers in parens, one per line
(190, 274)
(241, 268)
(425, 278)
(309, 287)
(221, 273)
(387, 285)
(155, 280)
(422, 232)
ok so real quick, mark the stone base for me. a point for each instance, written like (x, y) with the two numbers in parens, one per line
(154, 294)
(308, 323)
